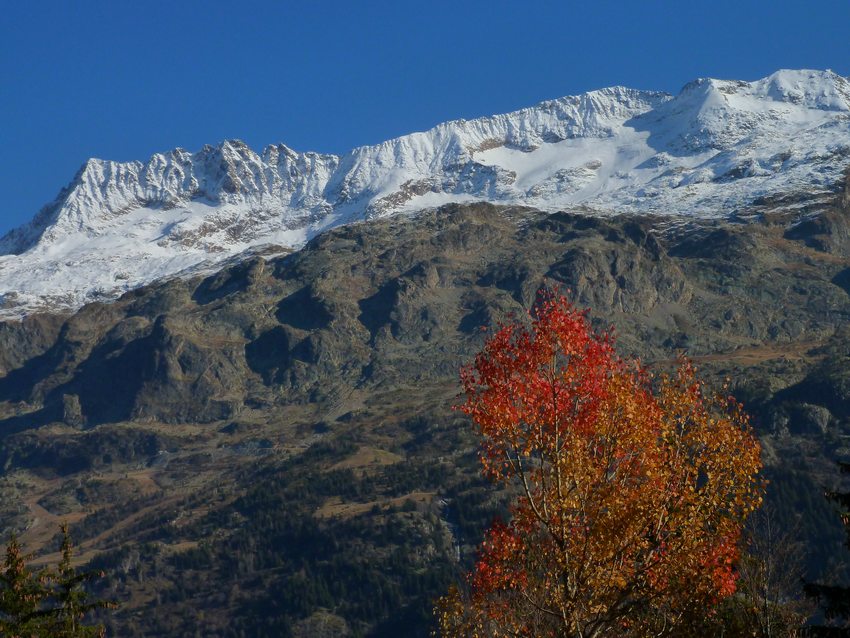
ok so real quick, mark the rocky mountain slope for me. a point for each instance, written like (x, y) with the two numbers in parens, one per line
(270, 449)
(714, 150)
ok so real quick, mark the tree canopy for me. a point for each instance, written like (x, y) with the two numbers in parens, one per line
(46, 603)
(631, 490)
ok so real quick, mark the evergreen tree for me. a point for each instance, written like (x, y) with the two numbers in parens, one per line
(49, 603)
(22, 594)
(835, 599)
(73, 602)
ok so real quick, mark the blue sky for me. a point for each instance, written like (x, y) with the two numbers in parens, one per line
(122, 80)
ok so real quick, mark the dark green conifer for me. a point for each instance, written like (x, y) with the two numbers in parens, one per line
(73, 602)
(835, 599)
(22, 595)
(49, 603)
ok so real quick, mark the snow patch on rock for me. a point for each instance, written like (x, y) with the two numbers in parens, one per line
(707, 152)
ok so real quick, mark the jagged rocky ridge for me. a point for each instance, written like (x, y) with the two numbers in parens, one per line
(401, 300)
(215, 438)
(710, 151)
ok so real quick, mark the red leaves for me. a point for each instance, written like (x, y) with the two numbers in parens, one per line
(500, 561)
(631, 500)
(525, 382)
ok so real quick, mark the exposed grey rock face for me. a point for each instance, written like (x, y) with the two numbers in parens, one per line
(400, 301)
(812, 419)
(72, 411)
(245, 415)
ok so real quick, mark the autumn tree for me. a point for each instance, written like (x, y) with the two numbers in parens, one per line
(632, 491)
(769, 600)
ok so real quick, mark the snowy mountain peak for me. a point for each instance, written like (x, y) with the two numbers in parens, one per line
(823, 90)
(709, 150)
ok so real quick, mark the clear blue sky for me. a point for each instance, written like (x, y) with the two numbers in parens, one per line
(121, 80)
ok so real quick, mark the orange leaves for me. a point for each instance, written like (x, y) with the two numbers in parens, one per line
(632, 497)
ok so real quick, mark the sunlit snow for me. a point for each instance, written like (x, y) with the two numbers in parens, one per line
(709, 151)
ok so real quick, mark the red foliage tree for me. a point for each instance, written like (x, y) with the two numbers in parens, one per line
(631, 497)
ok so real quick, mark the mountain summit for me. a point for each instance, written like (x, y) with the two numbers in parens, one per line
(710, 151)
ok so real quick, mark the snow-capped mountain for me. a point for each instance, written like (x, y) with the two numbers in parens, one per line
(710, 150)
